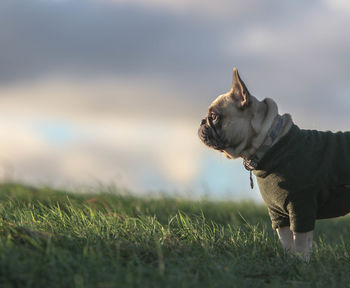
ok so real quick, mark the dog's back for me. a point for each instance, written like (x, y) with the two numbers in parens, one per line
(304, 176)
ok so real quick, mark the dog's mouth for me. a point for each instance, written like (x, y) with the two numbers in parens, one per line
(210, 136)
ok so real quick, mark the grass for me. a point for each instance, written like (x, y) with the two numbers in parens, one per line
(54, 238)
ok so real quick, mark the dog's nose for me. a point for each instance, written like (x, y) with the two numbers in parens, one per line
(203, 121)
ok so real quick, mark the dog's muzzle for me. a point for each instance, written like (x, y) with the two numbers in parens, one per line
(210, 137)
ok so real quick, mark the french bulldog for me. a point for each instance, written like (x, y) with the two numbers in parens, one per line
(303, 175)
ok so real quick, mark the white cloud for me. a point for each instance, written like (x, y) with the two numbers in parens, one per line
(19, 143)
(108, 143)
(338, 5)
(208, 7)
(258, 40)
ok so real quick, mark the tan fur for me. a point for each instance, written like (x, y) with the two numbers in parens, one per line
(247, 129)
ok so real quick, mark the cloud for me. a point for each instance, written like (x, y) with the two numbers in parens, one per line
(200, 7)
(82, 99)
(187, 56)
(66, 133)
(341, 6)
(92, 38)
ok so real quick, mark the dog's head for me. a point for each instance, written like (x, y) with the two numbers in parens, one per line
(228, 123)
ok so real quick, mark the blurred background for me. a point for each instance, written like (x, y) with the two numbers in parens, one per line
(99, 92)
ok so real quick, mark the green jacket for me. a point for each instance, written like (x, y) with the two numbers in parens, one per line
(303, 176)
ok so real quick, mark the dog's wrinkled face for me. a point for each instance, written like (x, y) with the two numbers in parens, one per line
(227, 124)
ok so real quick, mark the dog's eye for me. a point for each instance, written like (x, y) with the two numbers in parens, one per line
(213, 116)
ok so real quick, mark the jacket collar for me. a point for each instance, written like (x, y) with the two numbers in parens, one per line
(252, 163)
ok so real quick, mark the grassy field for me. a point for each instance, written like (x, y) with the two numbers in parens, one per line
(53, 238)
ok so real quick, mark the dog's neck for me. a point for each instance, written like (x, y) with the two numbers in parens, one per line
(269, 128)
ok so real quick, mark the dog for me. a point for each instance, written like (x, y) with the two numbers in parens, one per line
(303, 175)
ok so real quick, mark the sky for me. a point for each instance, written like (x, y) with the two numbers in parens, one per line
(112, 91)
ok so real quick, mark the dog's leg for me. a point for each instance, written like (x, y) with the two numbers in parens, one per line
(303, 244)
(299, 243)
(286, 238)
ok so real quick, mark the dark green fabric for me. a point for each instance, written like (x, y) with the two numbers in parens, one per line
(303, 176)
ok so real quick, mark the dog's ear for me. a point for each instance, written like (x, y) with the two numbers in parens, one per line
(239, 91)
